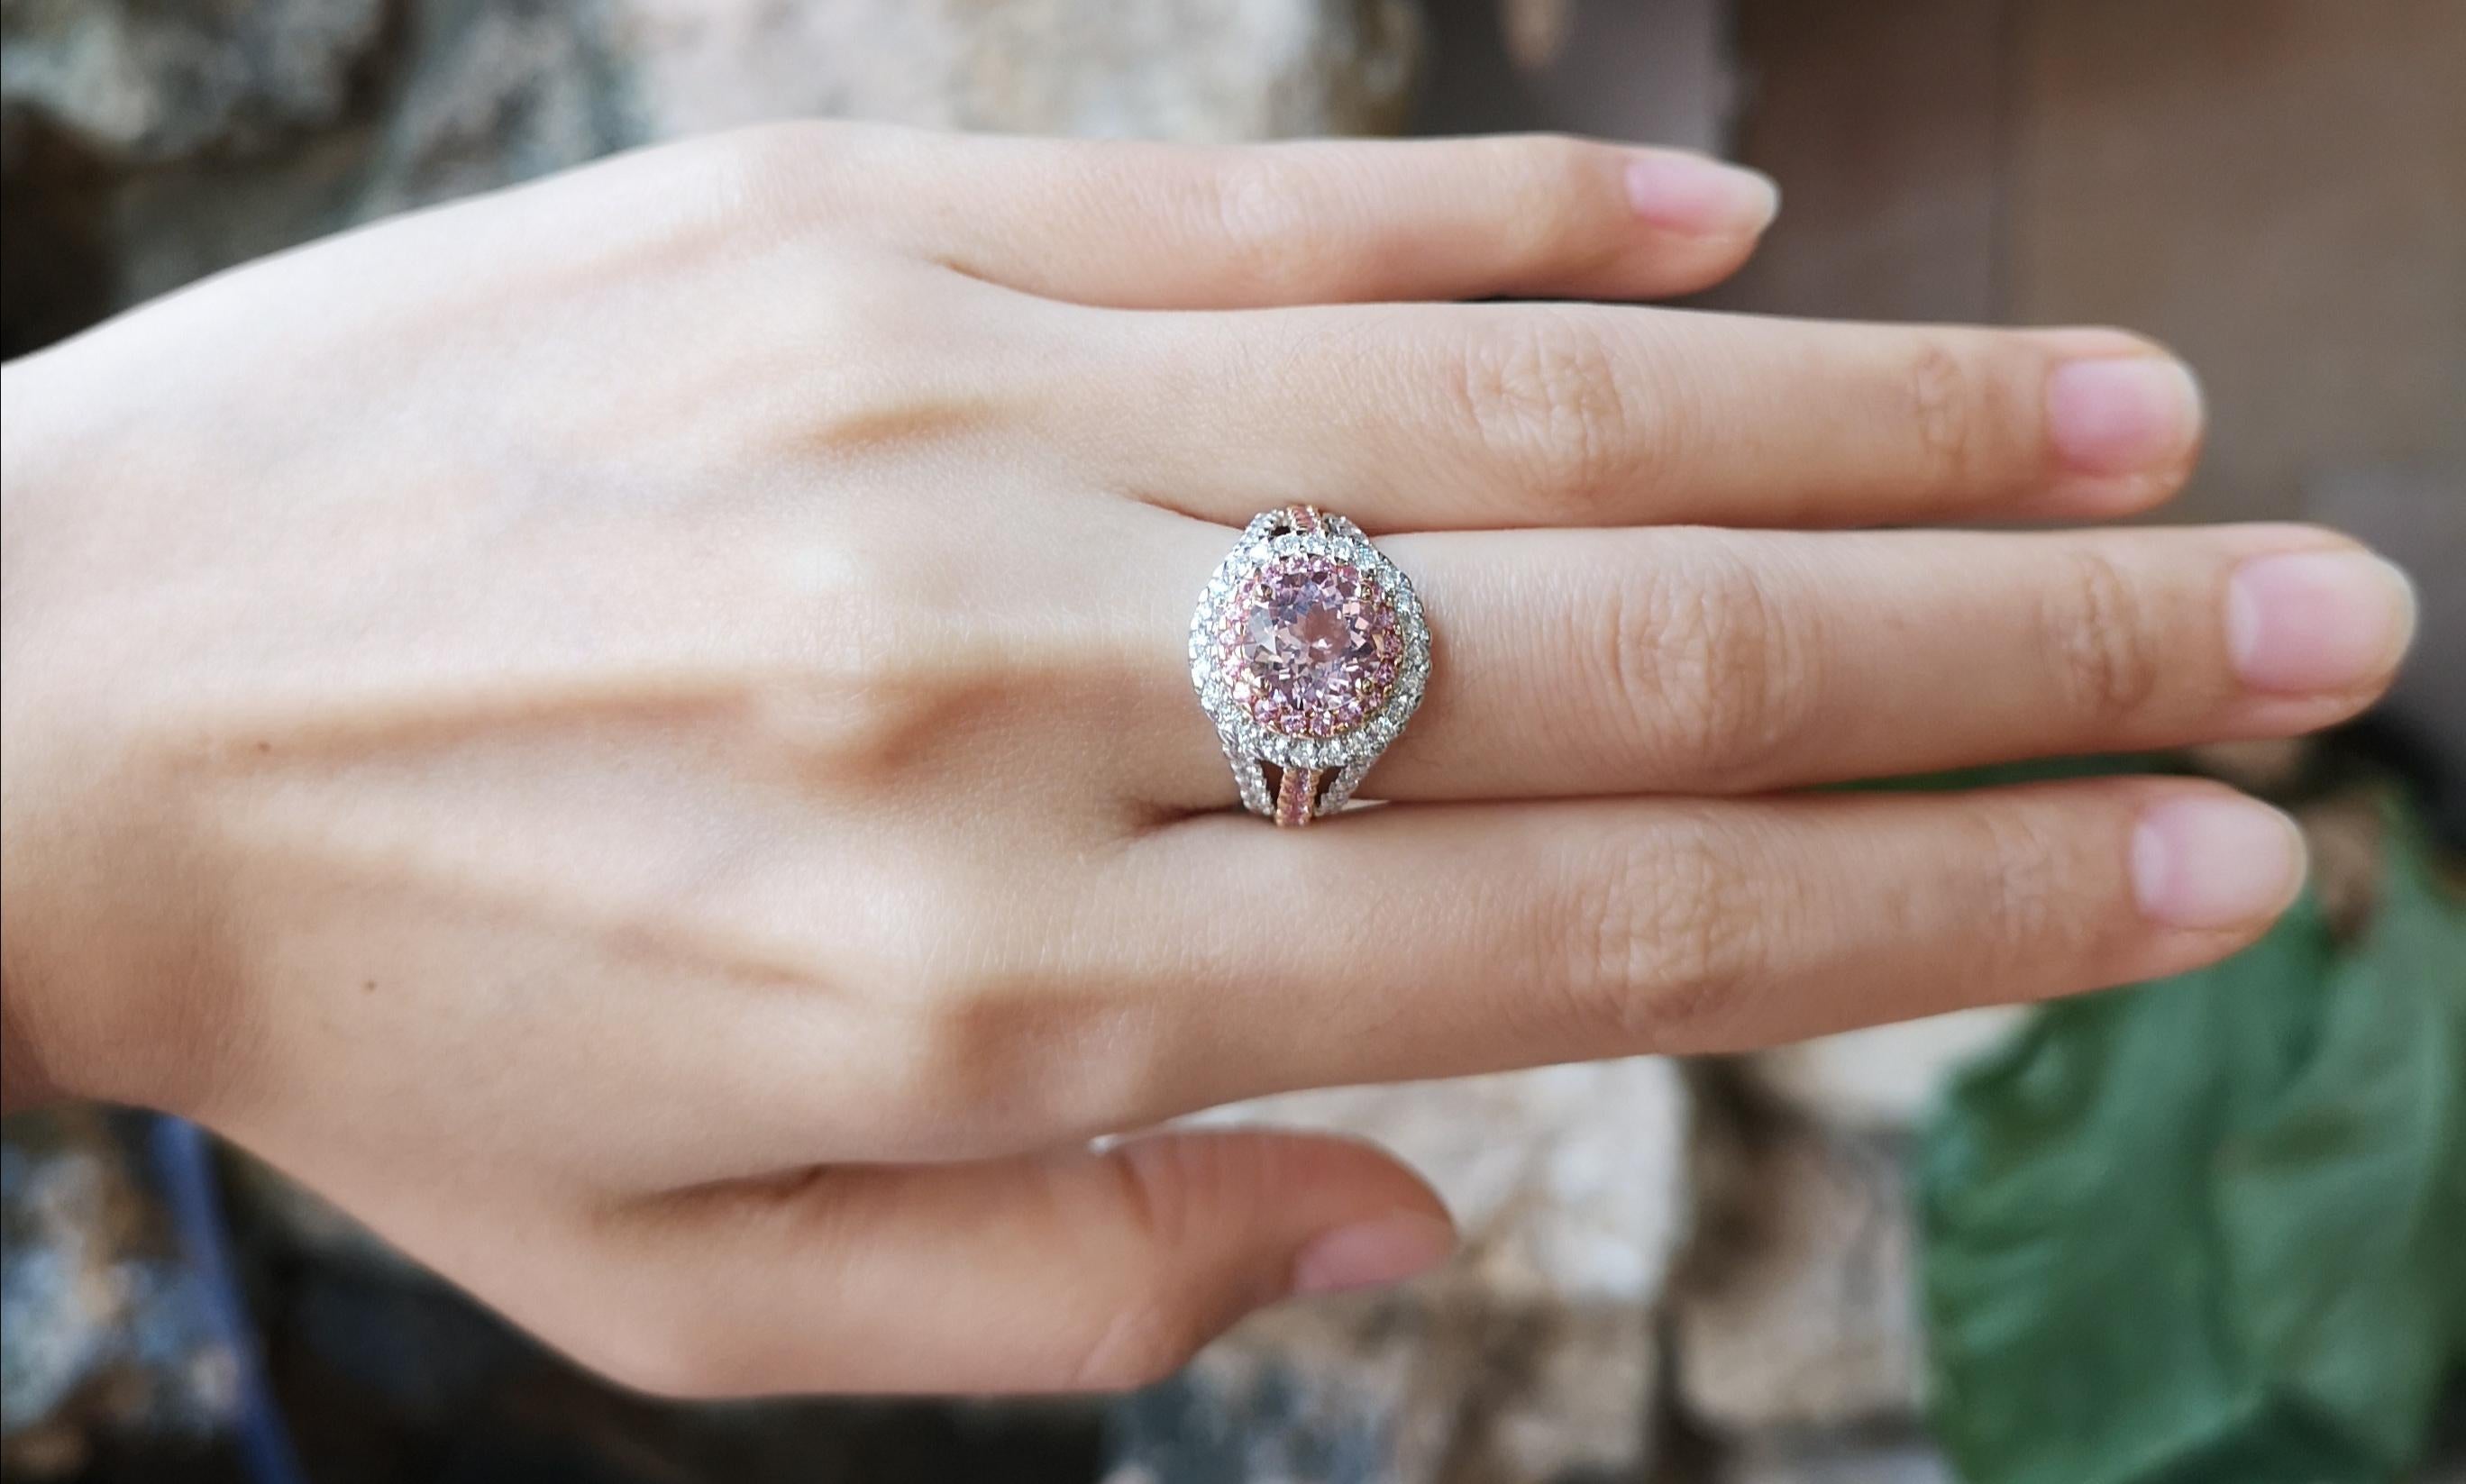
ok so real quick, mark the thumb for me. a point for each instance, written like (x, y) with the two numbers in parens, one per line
(1089, 1270)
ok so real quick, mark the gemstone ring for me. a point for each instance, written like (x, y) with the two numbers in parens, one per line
(1308, 652)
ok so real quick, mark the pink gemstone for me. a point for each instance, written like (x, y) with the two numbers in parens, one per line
(1312, 654)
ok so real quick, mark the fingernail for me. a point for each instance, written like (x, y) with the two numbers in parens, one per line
(2129, 414)
(2317, 620)
(1701, 198)
(2215, 862)
(1373, 1253)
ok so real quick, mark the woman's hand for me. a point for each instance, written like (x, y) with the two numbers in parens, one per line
(636, 732)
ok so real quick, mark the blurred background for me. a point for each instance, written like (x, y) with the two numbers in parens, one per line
(2210, 1231)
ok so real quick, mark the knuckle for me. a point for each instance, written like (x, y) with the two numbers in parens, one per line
(1664, 940)
(2021, 923)
(733, 194)
(1947, 407)
(862, 713)
(2106, 660)
(1568, 169)
(880, 668)
(1140, 1346)
(758, 171)
(1544, 398)
(1168, 1193)
(880, 310)
(1261, 210)
(1552, 185)
(1713, 679)
(889, 352)
(1009, 1059)
(669, 1340)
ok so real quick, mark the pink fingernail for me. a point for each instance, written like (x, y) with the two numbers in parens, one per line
(2317, 620)
(2119, 415)
(1373, 1253)
(1689, 193)
(2211, 861)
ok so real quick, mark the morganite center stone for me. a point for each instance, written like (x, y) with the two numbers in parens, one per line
(1311, 647)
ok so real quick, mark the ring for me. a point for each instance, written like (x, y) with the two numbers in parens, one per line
(1308, 652)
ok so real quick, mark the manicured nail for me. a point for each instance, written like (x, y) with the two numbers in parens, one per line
(1689, 193)
(1373, 1253)
(2119, 415)
(2317, 620)
(2215, 861)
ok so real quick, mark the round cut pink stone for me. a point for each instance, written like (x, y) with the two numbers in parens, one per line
(1310, 647)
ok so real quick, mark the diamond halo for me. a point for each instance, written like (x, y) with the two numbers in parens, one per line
(1356, 615)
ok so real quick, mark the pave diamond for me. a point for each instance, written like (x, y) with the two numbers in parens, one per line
(1310, 645)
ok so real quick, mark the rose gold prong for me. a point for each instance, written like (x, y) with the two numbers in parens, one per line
(1295, 792)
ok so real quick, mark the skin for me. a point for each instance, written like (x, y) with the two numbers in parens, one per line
(634, 731)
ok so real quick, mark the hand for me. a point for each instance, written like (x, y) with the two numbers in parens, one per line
(635, 731)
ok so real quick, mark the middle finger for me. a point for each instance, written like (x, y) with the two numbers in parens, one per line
(1432, 417)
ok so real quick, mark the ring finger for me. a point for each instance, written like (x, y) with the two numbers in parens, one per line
(1696, 660)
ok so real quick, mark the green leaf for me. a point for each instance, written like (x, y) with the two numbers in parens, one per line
(2212, 1230)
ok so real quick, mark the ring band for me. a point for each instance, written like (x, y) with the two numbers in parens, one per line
(1308, 651)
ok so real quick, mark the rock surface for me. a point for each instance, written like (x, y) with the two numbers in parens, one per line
(1212, 70)
(1568, 1183)
(1795, 1307)
(1833, 1460)
(136, 84)
(108, 1330)
(1417, 1389)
